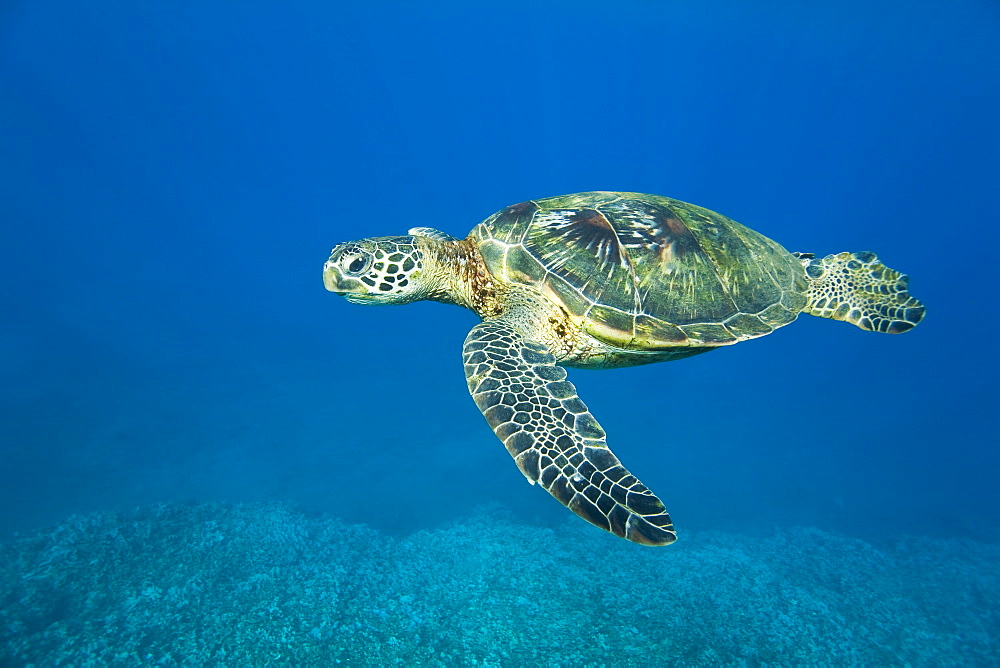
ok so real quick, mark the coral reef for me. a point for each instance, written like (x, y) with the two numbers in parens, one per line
(265, 584)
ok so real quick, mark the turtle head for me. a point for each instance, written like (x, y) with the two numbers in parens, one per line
(380, 270)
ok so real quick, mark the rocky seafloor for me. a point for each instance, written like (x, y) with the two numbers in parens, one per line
(266, 584)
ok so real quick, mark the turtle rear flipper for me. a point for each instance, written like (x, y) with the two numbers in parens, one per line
(554, 439)
(856, 287)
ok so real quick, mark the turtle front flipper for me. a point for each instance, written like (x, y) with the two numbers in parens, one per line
(555, 441)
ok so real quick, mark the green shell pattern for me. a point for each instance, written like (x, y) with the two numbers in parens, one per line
(645, 272)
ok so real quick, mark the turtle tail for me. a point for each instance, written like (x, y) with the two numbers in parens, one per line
(856, 287)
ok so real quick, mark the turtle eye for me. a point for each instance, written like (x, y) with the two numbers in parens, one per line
(356, 263)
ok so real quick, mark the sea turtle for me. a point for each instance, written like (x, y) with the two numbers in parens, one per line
(604, 280)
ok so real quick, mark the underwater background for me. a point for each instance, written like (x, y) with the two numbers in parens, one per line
(206, 458)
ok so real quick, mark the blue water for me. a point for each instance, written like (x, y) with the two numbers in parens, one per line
(174, 377)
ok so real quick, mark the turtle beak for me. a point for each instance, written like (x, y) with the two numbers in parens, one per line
(339, 284)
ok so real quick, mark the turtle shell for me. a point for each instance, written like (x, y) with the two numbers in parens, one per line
(645, 272)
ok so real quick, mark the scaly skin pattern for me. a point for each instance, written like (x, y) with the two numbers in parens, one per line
(551, 435)
(857, 288)
(511, 366)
